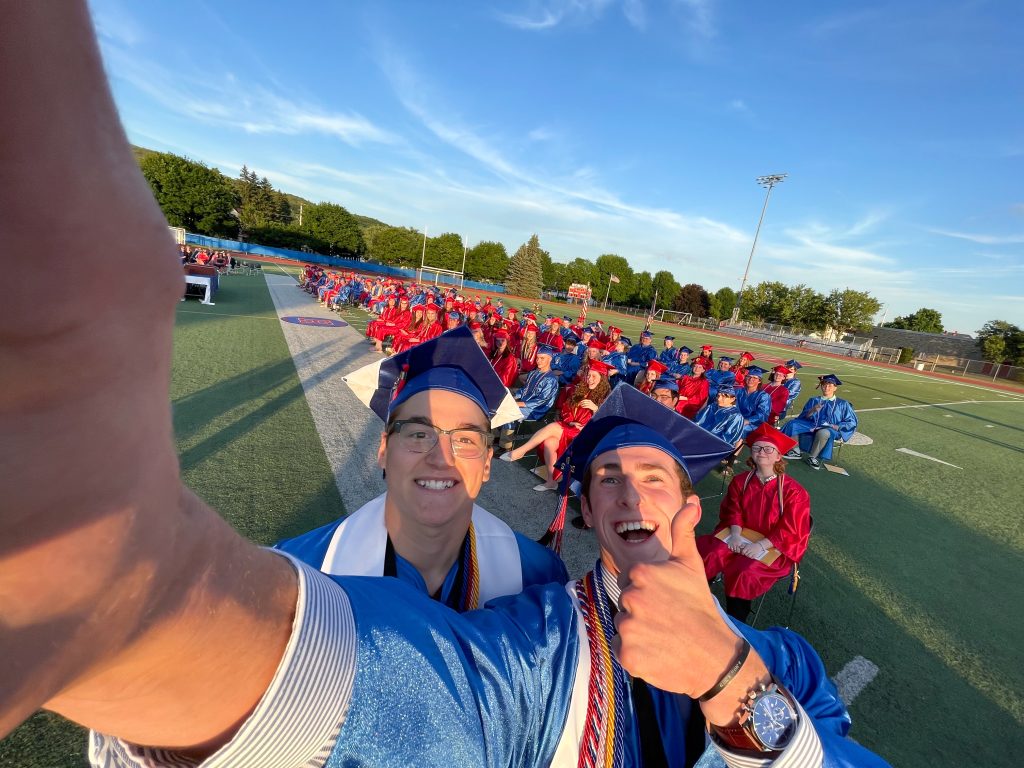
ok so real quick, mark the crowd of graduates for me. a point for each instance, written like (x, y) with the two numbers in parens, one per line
(565, 368)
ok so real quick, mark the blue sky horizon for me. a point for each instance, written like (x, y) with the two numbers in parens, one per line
(635, 127)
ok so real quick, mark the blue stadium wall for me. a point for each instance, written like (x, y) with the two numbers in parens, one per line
(333, 261)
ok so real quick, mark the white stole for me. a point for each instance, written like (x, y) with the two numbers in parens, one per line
(358, 545)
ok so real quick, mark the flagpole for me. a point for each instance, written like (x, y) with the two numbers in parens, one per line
(607, 292)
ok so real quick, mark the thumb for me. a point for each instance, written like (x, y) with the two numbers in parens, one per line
(684, 543)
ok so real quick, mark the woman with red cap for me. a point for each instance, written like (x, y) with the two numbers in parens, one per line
(503, 359)
(526, 350)
(576, 406)
(778, 392)
(380, 329)
(763, 525)
(693, 390)
(409, 335)
(646, 379)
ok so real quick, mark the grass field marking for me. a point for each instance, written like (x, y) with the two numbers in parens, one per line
(967, 663)
(853, 678)
(904, 406)
(286, 274)
(926, 456)
(223, 314)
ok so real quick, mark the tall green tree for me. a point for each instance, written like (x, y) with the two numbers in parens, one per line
(850, 310)
(643, 290)
(335, 227)
(393, 246)
(282, 209)
(445, 251)
(191, 195)
(1012, 338)
(257, 203)
(612, 264)
(664, 282)
(722, 303)
(526, 271)
(584, 272)
(487, 261)
(694, 299)
(924, 320)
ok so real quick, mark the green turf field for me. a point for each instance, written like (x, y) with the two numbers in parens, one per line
(914, 565)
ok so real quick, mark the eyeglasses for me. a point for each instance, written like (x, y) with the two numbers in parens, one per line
(762, 449)
(665, 397)
(417, 437)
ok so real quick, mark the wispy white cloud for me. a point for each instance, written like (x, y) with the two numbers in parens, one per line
(224, 100)
(541, 134)
(981, 238)
(699, 16)
(538, 15)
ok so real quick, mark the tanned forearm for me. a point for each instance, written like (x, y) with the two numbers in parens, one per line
(119, 591)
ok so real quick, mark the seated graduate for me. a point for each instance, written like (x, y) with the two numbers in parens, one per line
(778, 392)
(722, 418)
(763, 525)
(681, 366)
(822, 420)
(644, 381)
(540, 389)
(426, 529)
(670, 354)
(693, 390)
(792, 384)
(639, 356)
(755, 405)
(503, 357)
(721, 376)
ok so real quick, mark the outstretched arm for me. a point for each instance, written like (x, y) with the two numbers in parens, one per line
(125, 603)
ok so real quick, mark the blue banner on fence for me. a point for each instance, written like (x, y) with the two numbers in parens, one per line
(254, 249)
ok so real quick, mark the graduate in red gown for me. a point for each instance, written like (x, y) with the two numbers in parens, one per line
(526, 349)
(778, 392)
(693, 390)
(764, 500)
(647, 378)
(575, 405)
(381, 328)
(412, 330)
(503, 358)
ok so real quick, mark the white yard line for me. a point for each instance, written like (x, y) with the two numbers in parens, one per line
(934, 405)
(926, 456)
(852, 679)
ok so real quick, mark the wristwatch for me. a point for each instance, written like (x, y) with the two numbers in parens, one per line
(768, 721)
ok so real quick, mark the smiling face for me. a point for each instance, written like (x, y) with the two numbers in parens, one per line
(828, 389)
(632, 496)
(435, 489)
(593, 379)
(765, 455)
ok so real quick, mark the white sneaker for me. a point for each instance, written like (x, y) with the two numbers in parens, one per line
(542, 487)
(506, 456)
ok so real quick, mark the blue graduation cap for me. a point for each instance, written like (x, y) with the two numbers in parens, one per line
(571, 338)
(726, 389)
(670, 338)
(626, 340)
(793, 365)
(544, 349)
(628, 418)
(755, 371)
(724, 359)
(567, 318)
(686, 349)
(453, 361)
(646, 335)
(829, 378)
(666, 382)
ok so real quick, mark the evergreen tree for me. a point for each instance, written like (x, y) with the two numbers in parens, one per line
(526, 270)
(190, 195)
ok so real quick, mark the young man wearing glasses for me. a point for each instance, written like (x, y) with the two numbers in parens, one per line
(439, 401)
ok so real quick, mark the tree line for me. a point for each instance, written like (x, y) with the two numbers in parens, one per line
(205, 201)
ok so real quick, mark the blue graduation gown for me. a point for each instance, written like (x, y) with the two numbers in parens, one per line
(716, 379)
(640, 357)
(669, 356)
(617, 360)
(726, 423)
(538, 393)
(568, 364)
(756, 407)
(359, 554)
(680, 369)
(495, 687)
(817, 412)
(794, 386)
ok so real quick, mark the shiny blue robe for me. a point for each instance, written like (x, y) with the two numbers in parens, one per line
(718, 378)
(539, 564)
(617, 360)
(838, 413)
(794, 386)
(678, 369)
(538, 394)
(638, 357)
(755, 406)
(726, 423)
(669, 356)
(492, 687)
(568, 363)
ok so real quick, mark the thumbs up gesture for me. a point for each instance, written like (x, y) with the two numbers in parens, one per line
(671, 632)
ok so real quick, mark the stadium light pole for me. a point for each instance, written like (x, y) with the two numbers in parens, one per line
(768, 182)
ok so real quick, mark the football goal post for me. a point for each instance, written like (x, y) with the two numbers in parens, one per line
(679, 318)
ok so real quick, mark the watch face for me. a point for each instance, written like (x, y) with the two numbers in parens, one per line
(773, 719)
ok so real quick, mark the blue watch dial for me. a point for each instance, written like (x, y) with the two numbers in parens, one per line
(773, 719)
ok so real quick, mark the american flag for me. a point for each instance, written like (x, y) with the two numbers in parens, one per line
(650, 316)
(583, 313)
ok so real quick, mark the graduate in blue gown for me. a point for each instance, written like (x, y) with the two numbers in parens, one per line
(755, 405)
(822, 420)
(639, 356)
(722, 418)
(568, 362)
(540, 389)
(681, 367)
(670, 354)
(721, 376)
(792, 384)
(426, 529)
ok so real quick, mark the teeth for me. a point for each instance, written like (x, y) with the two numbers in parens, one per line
(642, 525)
(435, 485)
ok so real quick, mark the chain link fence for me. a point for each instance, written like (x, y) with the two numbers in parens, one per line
(959, 366)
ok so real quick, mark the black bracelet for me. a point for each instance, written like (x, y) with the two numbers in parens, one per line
(728, 676)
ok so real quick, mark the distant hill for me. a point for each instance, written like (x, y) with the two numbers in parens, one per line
(141, 153)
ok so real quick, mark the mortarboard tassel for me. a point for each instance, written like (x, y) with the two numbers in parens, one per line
(553, 536)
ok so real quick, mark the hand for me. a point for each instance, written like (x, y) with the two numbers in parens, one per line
(589, 405)
(753, 550)
(735, 542)
(670, 631)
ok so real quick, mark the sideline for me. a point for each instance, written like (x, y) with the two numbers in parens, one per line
(933, 405)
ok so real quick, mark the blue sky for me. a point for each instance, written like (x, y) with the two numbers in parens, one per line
(634, 127)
